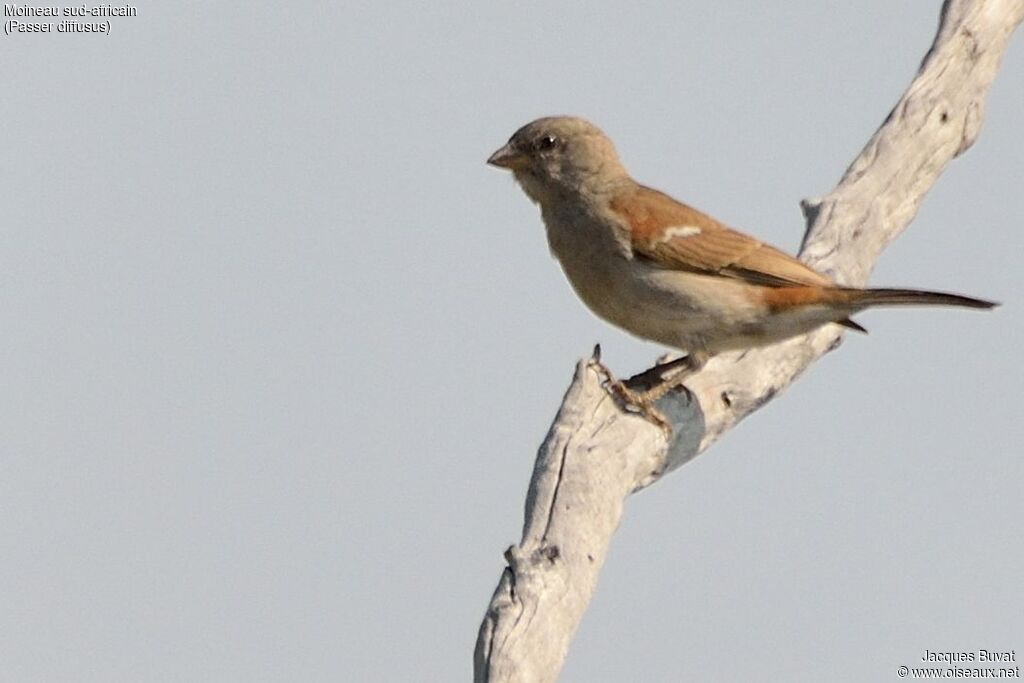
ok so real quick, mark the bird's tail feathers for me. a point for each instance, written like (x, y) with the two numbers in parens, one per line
(863, 298)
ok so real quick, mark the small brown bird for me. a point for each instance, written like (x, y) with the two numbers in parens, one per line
(666, 272)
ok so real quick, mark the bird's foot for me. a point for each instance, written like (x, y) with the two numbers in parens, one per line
(640, 402)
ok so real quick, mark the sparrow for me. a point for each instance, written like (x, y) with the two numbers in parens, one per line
(666, 272)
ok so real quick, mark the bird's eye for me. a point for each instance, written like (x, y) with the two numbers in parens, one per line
(545, 142)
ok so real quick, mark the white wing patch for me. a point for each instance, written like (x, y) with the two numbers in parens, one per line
(680, 231)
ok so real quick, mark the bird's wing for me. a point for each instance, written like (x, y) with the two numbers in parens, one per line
(675, 236)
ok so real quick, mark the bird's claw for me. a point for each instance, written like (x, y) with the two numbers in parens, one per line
(638, 402)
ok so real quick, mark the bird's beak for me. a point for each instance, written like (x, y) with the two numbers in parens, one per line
(507, 157)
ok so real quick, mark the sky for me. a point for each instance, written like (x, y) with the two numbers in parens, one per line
(279, 347)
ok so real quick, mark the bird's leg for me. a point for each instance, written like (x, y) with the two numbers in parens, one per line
(627, 397)
(691, 363)
(651, 385)
(656, 375)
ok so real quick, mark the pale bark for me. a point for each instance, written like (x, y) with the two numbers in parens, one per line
(595, 455)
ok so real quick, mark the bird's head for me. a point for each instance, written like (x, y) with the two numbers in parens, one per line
(560, 156)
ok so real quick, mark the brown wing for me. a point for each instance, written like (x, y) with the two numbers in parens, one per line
(676, 236)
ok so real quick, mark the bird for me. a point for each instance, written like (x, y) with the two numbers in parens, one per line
(667, 272)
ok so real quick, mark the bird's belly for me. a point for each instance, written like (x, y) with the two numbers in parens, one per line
(681, 310)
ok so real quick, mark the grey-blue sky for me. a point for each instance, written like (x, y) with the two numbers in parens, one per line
(279, 347)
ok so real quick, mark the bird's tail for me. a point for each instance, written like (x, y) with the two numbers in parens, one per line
(836, 304)
(863, 298)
